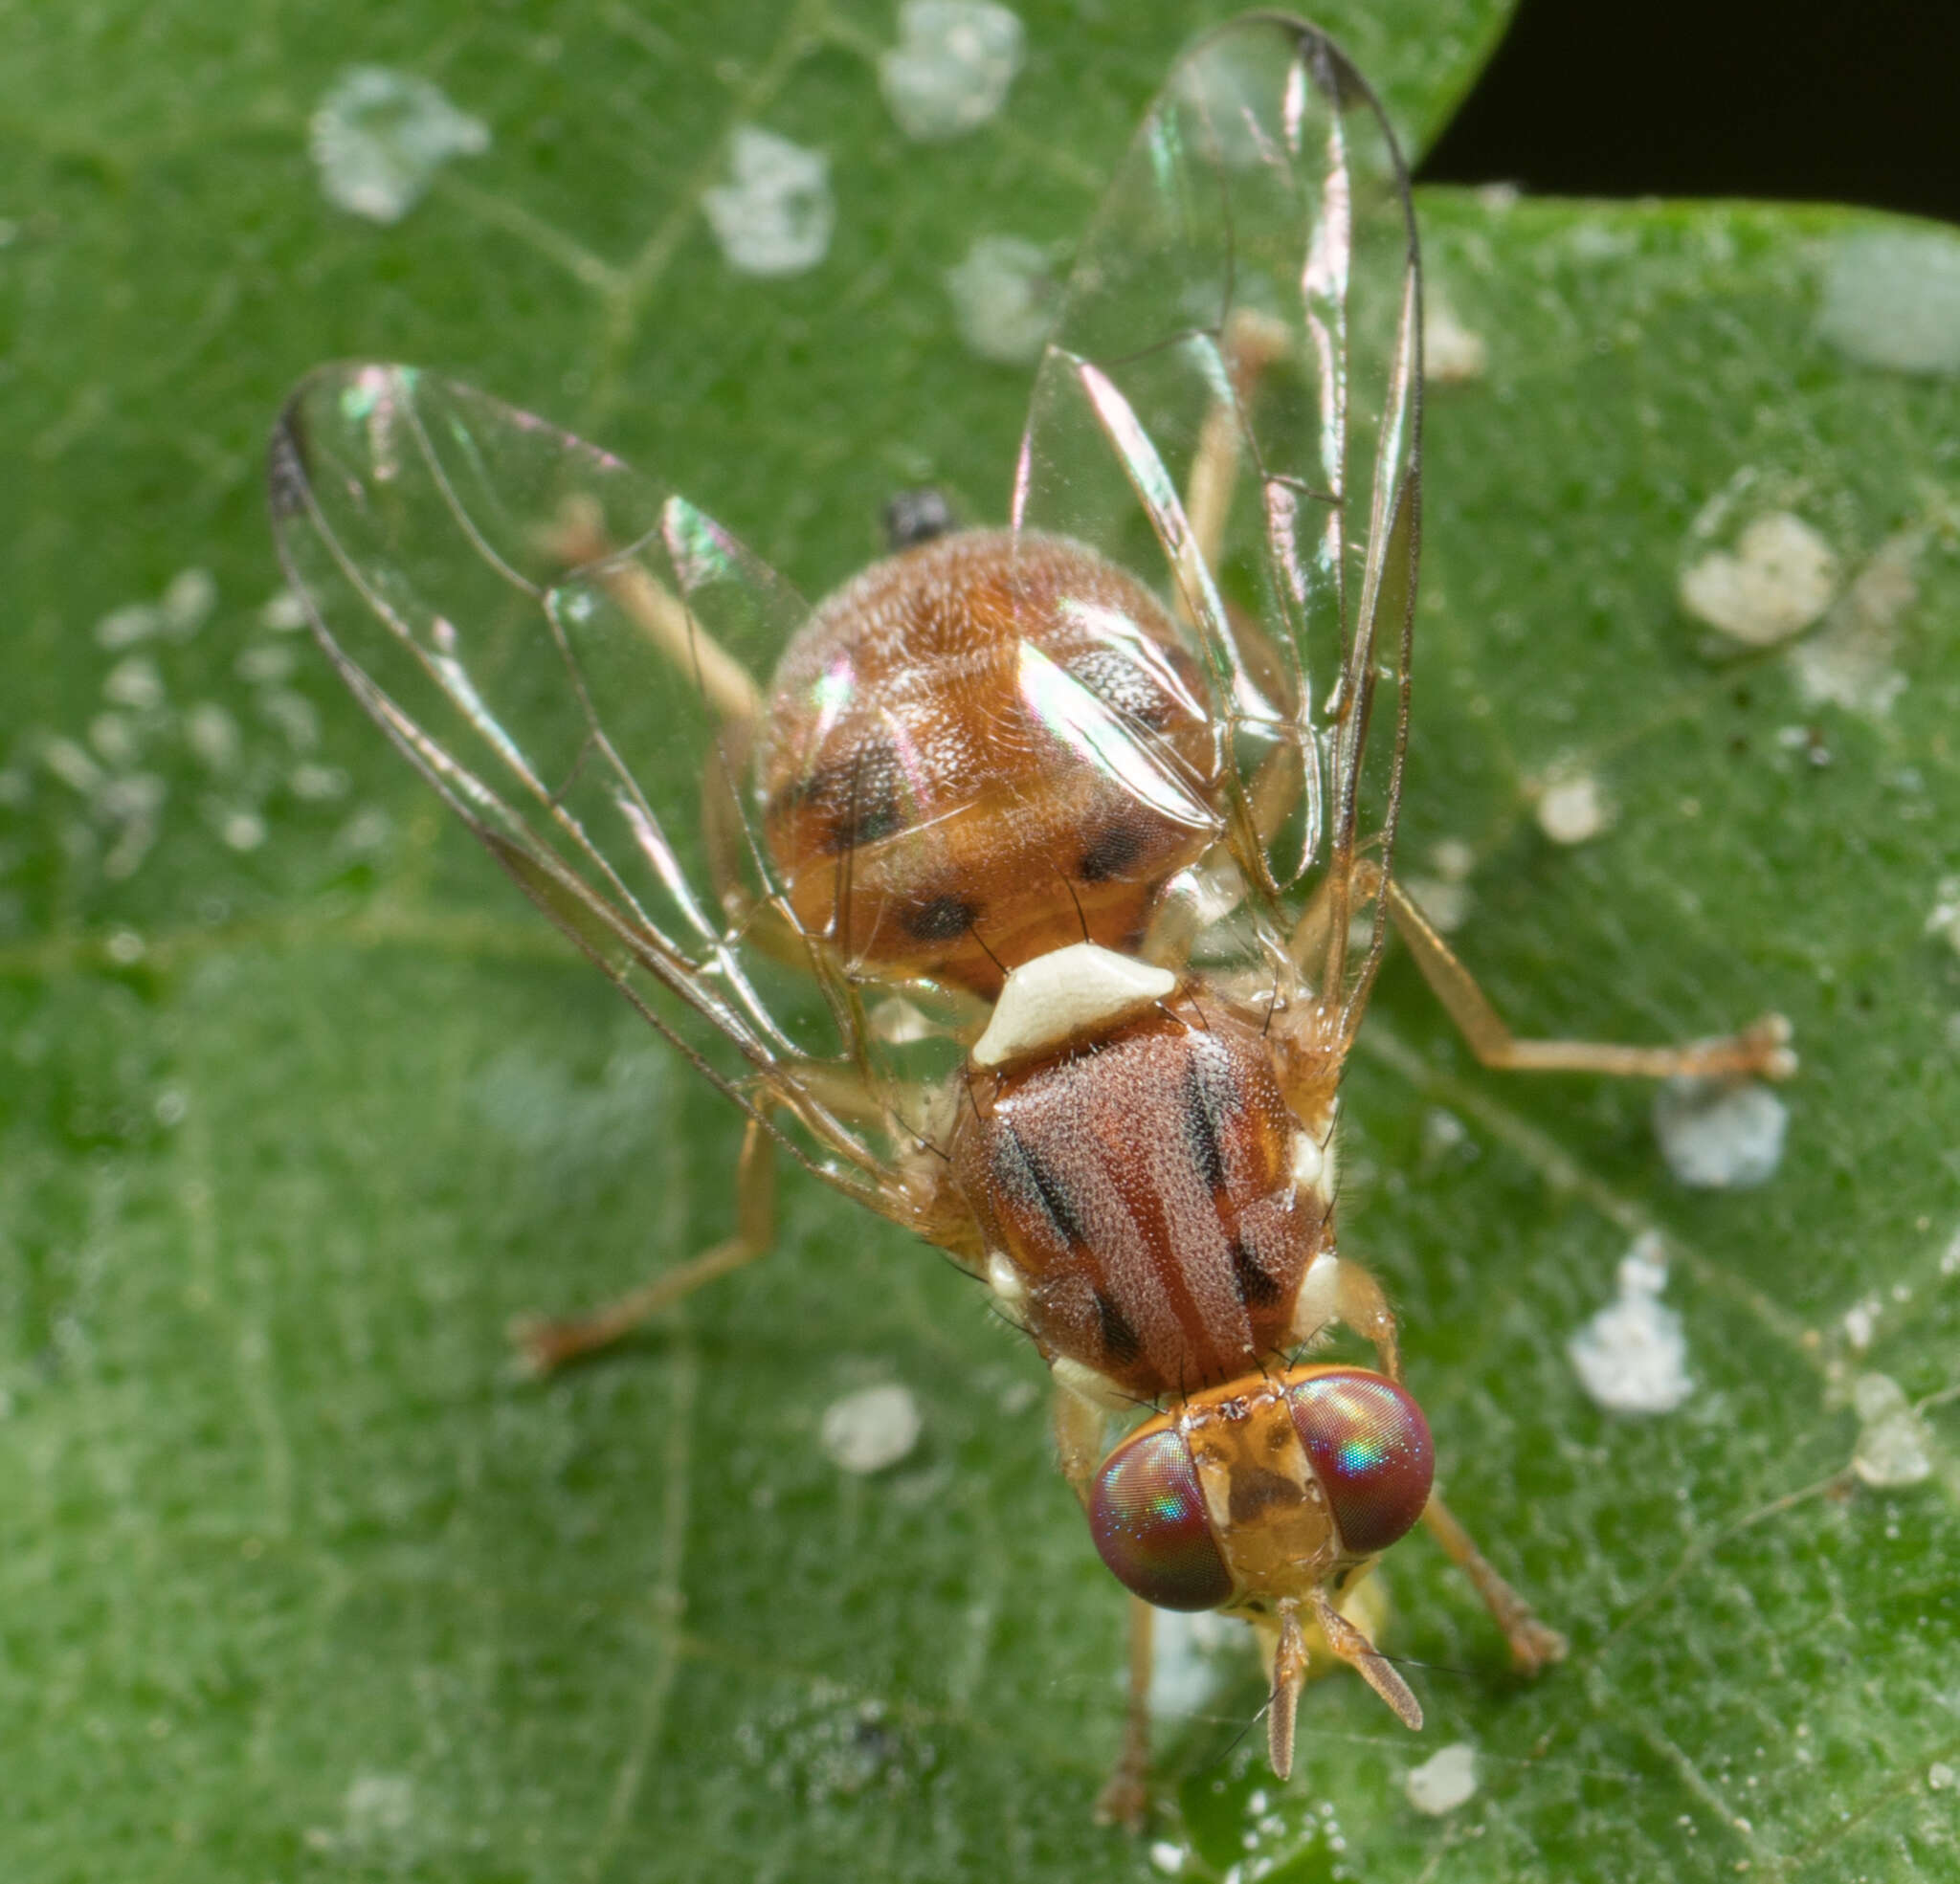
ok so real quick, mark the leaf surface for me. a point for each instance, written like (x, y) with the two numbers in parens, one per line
(298, 1103)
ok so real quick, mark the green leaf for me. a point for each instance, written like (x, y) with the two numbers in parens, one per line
(298, 1103)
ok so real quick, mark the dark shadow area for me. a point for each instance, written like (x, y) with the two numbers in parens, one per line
(1851, 102)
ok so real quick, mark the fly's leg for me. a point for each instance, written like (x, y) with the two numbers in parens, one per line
(1335, 1291)
(1252, 344)
(1534, 1645)
(1126, 1796)
(1761, 1048)
(1080, 1426)
(578, 537)
(549, 1342)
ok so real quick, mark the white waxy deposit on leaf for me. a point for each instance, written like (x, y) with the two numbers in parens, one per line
(775, 213)
(1779, 579)
(265, 663)
(1632, 1357)
(71, 764)
(1849, 662)
(316, 784)
(212, 735)
(1444, 1781)
(189, 601)
(1445, 903)
(282, 611)
(1943, 920)
(379, 137)
(1451, 353)
(382, 1824)
(124, 628)
(1005, 296)
(136, 683)
(1891, 298)
(241, 827)
(1191, 1651)
(1572, 808)
(295, 716)
(873, 1428)
(1720, 1134)
(952, 69)
(1444, 891)
(1893, 1446)
(115, 739)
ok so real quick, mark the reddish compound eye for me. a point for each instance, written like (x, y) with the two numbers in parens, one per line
(1147, 1515)
(1371, 1451)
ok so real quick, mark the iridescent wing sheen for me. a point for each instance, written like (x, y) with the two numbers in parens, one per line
(1233, 402)
(545, 634)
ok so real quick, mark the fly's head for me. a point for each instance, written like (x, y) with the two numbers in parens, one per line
(1270, 1498)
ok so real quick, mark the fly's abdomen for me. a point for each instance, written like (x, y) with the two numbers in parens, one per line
(981, 749)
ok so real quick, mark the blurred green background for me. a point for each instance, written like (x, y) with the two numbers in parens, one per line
(298, 1103)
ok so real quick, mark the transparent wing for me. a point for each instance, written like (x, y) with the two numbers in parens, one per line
(1233, 399)
(564, 651)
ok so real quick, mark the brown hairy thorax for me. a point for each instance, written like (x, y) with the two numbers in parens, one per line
(965, 728)
(1166, 1273)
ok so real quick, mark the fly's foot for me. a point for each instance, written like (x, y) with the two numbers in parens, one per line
(1534, 1645)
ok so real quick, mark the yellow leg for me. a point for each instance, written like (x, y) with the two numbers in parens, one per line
(549, 1342)
(579, 537)
(1533, 1645)
(1252, 344)
(1337, 1293)
(1081, 1426)
(1126, 1799)
(1761, 1048)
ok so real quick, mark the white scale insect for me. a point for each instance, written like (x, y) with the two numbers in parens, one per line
(1033, 901)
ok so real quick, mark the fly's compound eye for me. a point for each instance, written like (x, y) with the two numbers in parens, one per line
(1372, 1452)
(1147, 1515)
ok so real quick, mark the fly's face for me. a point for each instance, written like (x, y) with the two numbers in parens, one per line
(1254, 1496)
(1270, 1499)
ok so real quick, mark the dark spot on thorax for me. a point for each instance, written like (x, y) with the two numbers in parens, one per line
(1110, 853)
(1120, 1343)
(942, 919)
(1255, 1288)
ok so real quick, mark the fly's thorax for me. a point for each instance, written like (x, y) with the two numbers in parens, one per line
(981, 749)
(1135, 1173)
(1257, 1492)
